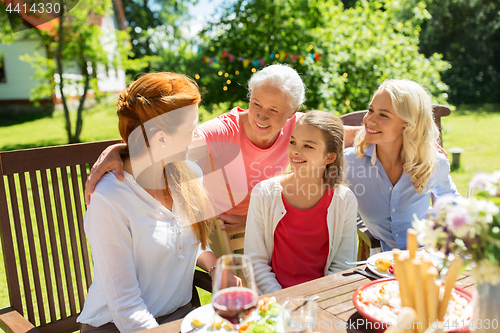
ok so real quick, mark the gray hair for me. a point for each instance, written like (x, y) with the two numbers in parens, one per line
(283, 77)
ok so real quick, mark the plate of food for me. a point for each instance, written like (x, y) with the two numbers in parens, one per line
(382, 264)
(379, 302)
(265, 319)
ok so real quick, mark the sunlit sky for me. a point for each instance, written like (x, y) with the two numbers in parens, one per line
(202, 12)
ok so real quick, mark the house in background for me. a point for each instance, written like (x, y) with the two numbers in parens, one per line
(16, 80)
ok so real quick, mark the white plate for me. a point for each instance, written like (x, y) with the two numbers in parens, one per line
(370, 263)
(436, 257)
(205, 314)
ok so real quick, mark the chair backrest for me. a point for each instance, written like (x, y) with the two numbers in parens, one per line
(231, 241)
(45, 251)
(439, 111)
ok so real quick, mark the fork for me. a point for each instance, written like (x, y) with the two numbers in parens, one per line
(355, 262)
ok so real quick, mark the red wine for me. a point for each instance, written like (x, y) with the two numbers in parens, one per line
(235, 303)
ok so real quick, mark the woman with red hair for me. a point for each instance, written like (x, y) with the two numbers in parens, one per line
(147, 233)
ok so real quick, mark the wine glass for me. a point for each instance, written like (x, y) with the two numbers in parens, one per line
(234, 292)
(299, 315)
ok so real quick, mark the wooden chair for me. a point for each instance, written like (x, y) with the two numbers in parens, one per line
(368, 244)
(46, 254)
(231, 241)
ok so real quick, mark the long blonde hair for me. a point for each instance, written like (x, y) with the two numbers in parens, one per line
(146, 98)
(413, 105)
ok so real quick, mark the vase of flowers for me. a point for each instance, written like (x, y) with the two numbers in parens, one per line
(470, 228)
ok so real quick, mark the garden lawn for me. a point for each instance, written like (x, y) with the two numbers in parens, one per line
(99, 123)
(476, 130)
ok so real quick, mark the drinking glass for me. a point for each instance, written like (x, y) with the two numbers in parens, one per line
(234, 292)
(299, 315)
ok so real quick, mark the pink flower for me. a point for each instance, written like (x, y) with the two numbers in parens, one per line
(443, 201)
(480, 180)
(457, 217)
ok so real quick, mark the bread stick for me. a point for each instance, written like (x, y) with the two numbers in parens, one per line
(410, 282)
(432, 292)
(411, 242)
(420, 296)
(400, 271)
(427, 264)
(453, 270)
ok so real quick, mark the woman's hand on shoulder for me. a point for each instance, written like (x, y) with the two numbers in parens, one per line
(441, 150)
(233, 222)
(109, 160)
(350, 134)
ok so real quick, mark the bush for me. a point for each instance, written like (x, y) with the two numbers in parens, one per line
(360, 47)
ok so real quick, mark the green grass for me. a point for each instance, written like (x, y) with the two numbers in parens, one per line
(473, 128)
(100, 123)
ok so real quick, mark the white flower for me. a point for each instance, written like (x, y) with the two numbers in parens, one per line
(442, 202)
(480, 180)
(496, 177)
(426, 235)
(483, 210)
(465, 231)
(490, 183)
(486, 272)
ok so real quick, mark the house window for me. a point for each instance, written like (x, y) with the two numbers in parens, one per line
(3, 78)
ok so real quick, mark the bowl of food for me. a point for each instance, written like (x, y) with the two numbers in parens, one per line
(379, 304)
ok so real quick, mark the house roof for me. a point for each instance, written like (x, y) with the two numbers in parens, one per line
(49, 22)
(42, 21)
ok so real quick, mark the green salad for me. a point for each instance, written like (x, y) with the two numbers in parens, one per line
(268, 309)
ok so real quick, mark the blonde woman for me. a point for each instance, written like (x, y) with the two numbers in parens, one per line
(394, 166)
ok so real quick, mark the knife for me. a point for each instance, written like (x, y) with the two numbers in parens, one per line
(198, 328)
(368, 275)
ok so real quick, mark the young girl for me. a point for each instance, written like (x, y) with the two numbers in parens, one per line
(302, 225)
(394, 167)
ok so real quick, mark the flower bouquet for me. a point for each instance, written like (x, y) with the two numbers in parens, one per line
(470, 228)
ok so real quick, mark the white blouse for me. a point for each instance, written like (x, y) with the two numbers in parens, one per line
(144, 259)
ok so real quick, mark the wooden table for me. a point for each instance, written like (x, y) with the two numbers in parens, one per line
(336, 312)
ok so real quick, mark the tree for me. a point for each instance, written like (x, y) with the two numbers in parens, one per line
(367, 44)
(256, 29)
(76, 42)
(467, 33)
(6, 36)
(154, 27)
(359, 48)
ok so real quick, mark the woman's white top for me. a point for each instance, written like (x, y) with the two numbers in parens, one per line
(267, 209)
(144, 258)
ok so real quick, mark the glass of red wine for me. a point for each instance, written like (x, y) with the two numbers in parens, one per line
(234, 292)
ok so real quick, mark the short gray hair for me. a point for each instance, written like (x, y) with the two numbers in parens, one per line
(283, 77)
